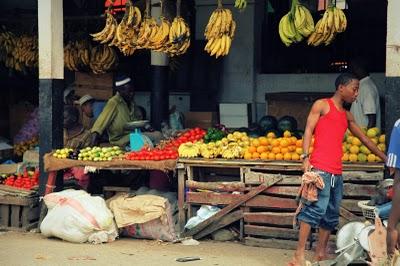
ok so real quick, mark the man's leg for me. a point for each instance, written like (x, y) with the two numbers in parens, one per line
(304, 232)
(320, 250)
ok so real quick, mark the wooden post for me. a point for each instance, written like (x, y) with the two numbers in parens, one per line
(181, 196)
(392, 93)
(51, 76)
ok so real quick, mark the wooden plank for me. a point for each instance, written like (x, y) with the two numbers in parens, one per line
(15, 216)
(216, 186)
(5, 212)
(230, 207)
(181, 199)
(283, 190)
(224, 221)
(21, 201)
(272, 202)
(351, 205)
(349, 216)
(94, 81)
(25, 216)
(272, 243)
(211, 198)
(272, 232)
(273, 218)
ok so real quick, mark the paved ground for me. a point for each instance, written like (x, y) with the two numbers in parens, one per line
(33, 249)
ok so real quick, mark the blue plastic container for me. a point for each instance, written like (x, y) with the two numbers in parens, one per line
(136, 140)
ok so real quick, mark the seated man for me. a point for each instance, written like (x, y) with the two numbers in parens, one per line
(75, 136)
(118, 111)
(86, 103)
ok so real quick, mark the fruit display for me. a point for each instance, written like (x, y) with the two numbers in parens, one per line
(96, 154)
(296, 25)
(355, 151)
(219, 32)
(102, 59)
(134, 33)
(24, 146)
(213, 134)
(269, 147)
(241, 4)
(18, 52)
(152, 154)
(334, 21)
(192, 135)
(26, 181)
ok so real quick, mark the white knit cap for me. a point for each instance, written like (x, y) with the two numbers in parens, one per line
(85, 98)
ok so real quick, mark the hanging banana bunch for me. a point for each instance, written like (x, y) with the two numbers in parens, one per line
(333, 21)
(148, 29)
(297, 24)
(160, 39)
(77, 55)
(127, 30)
(103, 58)
(241, 4)
(108, 32)
(219, 31)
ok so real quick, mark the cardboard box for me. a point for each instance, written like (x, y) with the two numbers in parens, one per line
(235, 115)
(200, 119)
(98, 86)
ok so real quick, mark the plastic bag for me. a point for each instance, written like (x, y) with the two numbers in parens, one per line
(203, 213)
(75, 216)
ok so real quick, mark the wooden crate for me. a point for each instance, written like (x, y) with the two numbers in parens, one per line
(98, 86)
(19, 213)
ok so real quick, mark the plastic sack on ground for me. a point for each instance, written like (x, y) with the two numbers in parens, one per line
(76, 216)
(144, 216)
(203, 213)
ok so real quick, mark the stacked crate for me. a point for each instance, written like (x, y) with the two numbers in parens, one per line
(19, 213)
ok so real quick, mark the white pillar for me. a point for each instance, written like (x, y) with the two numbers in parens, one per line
(393, 39)
(51, 50)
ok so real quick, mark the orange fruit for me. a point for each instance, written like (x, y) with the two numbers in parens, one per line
(271, 135)
(264, 156)
(261, 149)
(248, 155)
(279, 156)
(287, 156)
(292, 148)
(284, 150)
(294, 139)
(299, 143)
(299, 151)
(255, 155)
(271, 156)
(356, 141)
(263, 141)
(295, 157)
(252, 149)
(276, 150)
(275, 143)
(354, 149)
(345, 157)
(287, 134)
(285, 142)
(255, 142)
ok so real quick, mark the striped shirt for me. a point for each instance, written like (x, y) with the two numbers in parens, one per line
(393, 158)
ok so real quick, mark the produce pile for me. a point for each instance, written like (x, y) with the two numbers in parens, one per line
(24, 146)
(96, 154)
(134, 33)
(354, 151)
(27, 180)
(219, 32)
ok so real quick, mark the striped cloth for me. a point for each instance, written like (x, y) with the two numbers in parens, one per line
(393, 157)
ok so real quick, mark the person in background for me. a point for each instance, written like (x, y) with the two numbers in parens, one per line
(393, 162)
(69, 95)
(119, 110)
(366, 108)
(328, 121)
(86, 103)
(75, 136)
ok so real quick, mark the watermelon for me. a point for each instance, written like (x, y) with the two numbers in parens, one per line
(287, 123)
(268, 122)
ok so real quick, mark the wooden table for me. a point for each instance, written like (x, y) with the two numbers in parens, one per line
(360, 180)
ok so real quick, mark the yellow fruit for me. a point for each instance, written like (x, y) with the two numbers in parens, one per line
(263, 141)
(276, 150)
(378, 131)
(382, 138)
(255, 155)
(284, 143)
(264, 156)
(252, 149)
(374, 140)
(279, 156)
(349, 139)
(362, 157)
(344, 148)
(261, 149)
(271, 135)
(299, 143)
(287, 156)
(284, 150)
(371, 158)
(275, 143)
(364, 150)
(356, 141)
(248, 155)
(364, 130)
(348, 146)
(382, 147)
(292, 148)
(299, 151)
(255, 143)
(287, 134)
(377, 159)
(295, 157)
(354, 149)
(237, 134)
(271, 156)
(372, 132)
(245, 138)
(353, 158)
(345, 157)
(294, 139)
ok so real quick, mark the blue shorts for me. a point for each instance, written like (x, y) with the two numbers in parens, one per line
(324, 212)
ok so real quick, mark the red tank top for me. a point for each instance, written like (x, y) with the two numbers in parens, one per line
(328, 137)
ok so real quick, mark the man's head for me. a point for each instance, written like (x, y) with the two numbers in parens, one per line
(86, 103)
(71, 116)
(124, 85)
(69, 95)
(347, 86)
(358, 66)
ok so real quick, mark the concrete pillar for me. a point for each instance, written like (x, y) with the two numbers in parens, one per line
(51, 76)
(392, 93)
(159, 79)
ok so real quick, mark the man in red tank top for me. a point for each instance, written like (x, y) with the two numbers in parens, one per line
(328, 121)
